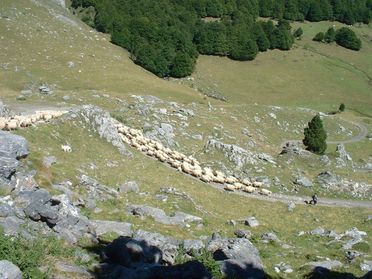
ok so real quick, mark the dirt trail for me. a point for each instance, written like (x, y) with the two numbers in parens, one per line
(300, 200)
(363, 132)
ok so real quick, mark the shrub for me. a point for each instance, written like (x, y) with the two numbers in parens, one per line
(346, 37)
(315, 136)
(330, 35)
(298, 33)
(319, 37)
(342, 107)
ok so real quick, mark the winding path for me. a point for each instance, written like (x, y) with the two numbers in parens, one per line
(363, 132)
(299, 199)
(288, 198)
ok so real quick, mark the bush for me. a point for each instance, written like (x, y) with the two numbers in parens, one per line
(298, 33)
(319, 37)
(28, 255)
(330, 35)
(315, 136)
(342, 107)
(346, 37)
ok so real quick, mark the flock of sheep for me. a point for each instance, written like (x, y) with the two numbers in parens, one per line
(21, 121)
(186, 164)
(135, 138)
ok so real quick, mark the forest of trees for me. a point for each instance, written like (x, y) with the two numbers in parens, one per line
(166, 36)
(344, 37)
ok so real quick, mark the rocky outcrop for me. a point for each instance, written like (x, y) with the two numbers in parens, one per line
(179, 218)
(12, 148)
(9, 271)
(101, 122)
(238, 257)
(238, 155)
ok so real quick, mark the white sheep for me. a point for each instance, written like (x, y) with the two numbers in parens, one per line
(247, 182)
(12, 124)
(231, 180)
(265, 192)
(229, 187)
(2, 123)
(249, 189)
(238, 185)
(66, 148)
(257, 184)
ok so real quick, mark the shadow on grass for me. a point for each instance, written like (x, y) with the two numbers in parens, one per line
(323, 273)
(128, 258)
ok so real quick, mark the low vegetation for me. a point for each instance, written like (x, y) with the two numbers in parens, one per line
(344, 37)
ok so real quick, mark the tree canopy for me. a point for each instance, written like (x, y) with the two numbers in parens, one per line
(315, 136)
(166, 36)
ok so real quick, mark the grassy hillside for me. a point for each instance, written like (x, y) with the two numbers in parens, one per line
(312, 74)
(272, 97)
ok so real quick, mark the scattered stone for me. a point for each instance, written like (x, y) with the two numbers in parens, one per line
(101, 122)
(291, 206)
(9, 271)
(327, 179)
(179, 218)
(282, 267)
(71, 269)
(342, 154)
(102, 227)
(45, 89)
(192, 246)
(318, 231)
(366, 265)
(4, 111)
(238, 257)
(303, 181)
(328, 264)
(49, 161)
(268, 237)
(251, 221)
(97, 191)
(130, 186)
(243, 233)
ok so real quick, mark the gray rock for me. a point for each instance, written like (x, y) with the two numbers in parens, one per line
(356, 237)
(329, 264)
(192, 245)
(268, 237)
(96, 190)
(8, 270)
(6, 210)
(167, 246)
(243, 233)
(49, 161)
(251, 221)
(71, 269)
(303, 181)
(11, 225)
(179, 218)
(239, 258)
(130, 186)
(101, 227)
(4, 111)
(238, 155)
(291, 206)
(366, 265)
(101, 122)
(163, 132)
(318, 231)
(282, 267)
(342, 154)
(12, 148)
(327, 179)
(45, 89)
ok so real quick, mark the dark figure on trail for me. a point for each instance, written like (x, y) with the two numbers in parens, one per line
(314, 200)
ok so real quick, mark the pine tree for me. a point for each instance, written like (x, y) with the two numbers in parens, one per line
(298, 33)
(319, 37)
(315, 136)
(330, 35)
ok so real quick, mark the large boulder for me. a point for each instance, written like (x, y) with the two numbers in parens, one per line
(167, 245)
(120, 228)
(12, 148)
(238, 257)
(8, 270)
(101, 122)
